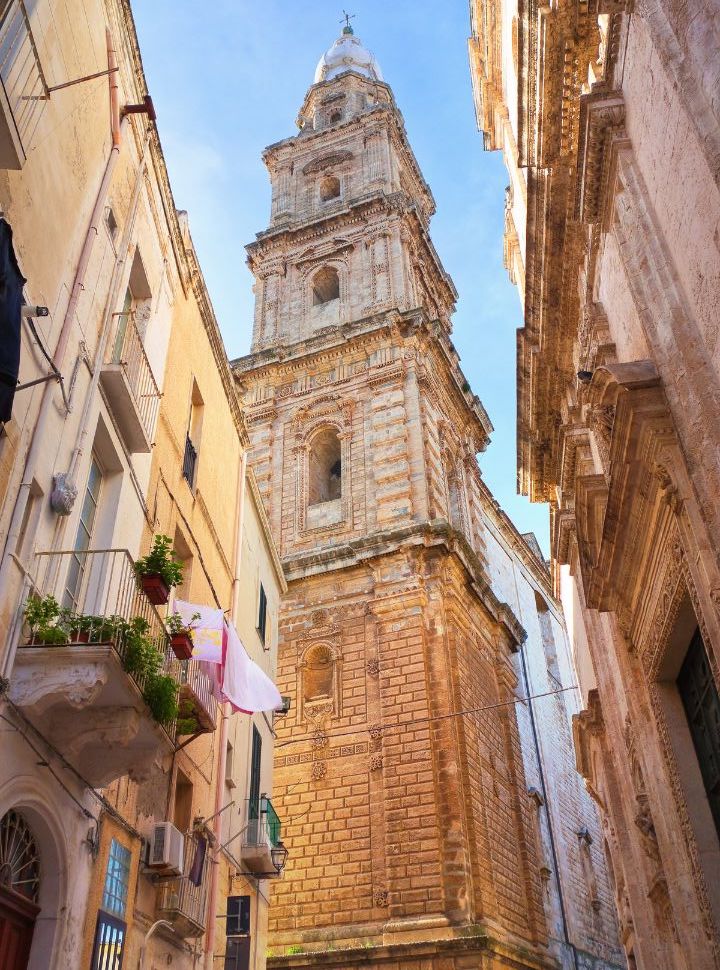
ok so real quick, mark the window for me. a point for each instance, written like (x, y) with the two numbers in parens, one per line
(238, 916)
(117, 879)
(262, 614)
(255, 765)
(325, 467)
(335, 117)
(108, 945)
(325, 286)
(699, 695)
(329, 188)
(193, 435)
(182, 814)
(88, 513)
(135, 314)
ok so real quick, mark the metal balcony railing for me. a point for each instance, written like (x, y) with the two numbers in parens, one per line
(127, 351)
(263, 823)
(102, 602)
(21, 72)
(181, 901)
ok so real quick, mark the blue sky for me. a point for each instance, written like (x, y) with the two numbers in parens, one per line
(230, 82)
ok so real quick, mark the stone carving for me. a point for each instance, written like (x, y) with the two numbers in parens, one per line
(318, 770)
(380, 898)
(319, 740)
(376, 762)
(373, 666)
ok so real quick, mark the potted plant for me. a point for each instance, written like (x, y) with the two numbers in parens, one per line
(181, 635)
(90, 629)
(159, 571)
(43, 615)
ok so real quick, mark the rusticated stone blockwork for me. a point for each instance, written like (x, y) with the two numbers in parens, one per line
(408, 837)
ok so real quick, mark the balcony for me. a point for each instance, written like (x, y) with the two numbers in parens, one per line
(130, 387)
(261, 836)
(180, 901)
(23, 90)
(95, 680)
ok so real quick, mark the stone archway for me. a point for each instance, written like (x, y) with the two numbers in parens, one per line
(30, 895)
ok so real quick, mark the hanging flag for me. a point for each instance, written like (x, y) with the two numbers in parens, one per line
(244, 684)
(207, 631)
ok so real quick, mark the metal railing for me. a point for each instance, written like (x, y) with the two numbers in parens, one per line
(21, 72)
(128, 351)
(101, 601)
(189, 462)
(181, 900)
(188, 672)
(263, 822)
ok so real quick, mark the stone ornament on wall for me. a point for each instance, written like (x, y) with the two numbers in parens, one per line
(380, 898)
(318, 770)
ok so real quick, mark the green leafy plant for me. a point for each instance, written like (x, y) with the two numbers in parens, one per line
(41, 611)
(295, 948)
(186, 725)
(99, 629)
(177, 626)
(161, 696)
(51, 636)
(141, 658)
(45, 619)
(161, 561)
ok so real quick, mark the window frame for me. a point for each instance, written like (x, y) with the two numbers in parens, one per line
(262, 616)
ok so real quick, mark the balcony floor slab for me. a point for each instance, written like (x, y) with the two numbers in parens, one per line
(88, 707)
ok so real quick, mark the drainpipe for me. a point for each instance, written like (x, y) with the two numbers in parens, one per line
(225, 715)
(38, 444)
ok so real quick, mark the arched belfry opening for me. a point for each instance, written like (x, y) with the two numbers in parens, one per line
(325, 286)
(325, 467)
(329, 188)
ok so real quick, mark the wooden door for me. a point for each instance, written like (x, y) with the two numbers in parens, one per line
(17, 922)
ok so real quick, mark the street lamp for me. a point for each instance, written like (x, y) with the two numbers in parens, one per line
(278, 856)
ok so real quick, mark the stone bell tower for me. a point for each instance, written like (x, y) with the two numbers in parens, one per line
(409, 829)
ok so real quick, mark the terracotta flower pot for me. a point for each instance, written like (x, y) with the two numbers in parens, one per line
(79, 636)
(155, 588)
(182, 645)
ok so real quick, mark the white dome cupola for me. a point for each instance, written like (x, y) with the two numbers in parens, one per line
(347, 54)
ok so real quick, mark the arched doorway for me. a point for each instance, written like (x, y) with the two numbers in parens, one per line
(19, 890)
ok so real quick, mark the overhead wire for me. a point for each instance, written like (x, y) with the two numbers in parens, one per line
(384, 728)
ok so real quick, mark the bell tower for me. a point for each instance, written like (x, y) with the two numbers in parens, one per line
(408, 826)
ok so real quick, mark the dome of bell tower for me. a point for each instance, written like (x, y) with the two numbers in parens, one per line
(347, 54)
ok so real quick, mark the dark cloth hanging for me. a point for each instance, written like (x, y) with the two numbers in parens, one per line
(11, 300)
(198, 864)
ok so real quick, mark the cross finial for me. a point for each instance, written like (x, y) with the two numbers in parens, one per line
(347, 17)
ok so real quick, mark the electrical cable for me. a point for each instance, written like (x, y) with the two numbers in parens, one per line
(31, 324)
(436, 717)
(108, 806)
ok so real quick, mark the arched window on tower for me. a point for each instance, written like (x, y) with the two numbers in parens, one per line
(324, 467)
(325, 286)
(329, 188)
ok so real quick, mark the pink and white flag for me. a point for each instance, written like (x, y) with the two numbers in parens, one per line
(207, 632)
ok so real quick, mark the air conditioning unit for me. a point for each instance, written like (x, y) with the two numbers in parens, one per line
(167, 849)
